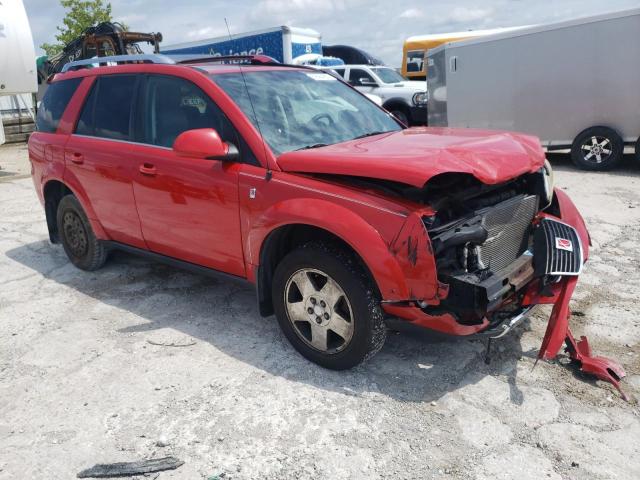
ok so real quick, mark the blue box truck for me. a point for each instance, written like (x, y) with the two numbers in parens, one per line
(283, 43)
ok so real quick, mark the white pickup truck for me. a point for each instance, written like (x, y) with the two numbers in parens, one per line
(406, 99)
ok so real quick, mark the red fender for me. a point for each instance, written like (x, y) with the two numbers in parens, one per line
(345, 224)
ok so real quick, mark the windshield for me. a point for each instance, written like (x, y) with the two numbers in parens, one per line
(388, 75)
(297, 109)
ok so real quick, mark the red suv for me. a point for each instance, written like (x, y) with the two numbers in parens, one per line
(291, 179)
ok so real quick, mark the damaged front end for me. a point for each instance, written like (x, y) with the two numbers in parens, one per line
(499, 251)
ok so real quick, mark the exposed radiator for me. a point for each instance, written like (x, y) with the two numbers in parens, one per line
(507, 224)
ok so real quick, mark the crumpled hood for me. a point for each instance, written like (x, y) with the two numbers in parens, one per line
(415, 155)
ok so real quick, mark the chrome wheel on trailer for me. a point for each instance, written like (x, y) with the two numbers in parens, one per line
(319, 310)
(597, 148)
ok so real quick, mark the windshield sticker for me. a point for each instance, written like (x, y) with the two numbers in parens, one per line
(321, 76)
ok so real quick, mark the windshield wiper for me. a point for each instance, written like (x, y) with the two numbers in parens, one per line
(370, 134)
(315, 145)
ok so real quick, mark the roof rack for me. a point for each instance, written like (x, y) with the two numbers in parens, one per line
(118, 59)
(171, 59)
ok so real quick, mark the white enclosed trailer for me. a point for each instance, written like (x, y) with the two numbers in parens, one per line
(574, 84)
(18, 76)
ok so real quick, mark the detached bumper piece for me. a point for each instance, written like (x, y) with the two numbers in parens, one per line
(603, 368)
(558, 249)
(558, 333)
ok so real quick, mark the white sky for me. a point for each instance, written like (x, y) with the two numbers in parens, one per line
(379, 27)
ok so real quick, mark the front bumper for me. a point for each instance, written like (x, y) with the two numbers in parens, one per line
(536, 292)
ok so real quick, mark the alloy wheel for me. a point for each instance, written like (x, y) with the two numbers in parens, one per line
(596, 149)
(319, 310)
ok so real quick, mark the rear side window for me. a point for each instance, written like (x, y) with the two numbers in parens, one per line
(55, 101)
(107, 110)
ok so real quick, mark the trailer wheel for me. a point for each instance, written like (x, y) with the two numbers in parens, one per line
(597, 148)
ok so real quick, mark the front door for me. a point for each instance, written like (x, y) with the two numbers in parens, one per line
(188, 207)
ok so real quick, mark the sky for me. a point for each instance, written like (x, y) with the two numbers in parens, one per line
(379, 27)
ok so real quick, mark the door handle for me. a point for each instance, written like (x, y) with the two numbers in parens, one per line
(77, 158)
(148, 169)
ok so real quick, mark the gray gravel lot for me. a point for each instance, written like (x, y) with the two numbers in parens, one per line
(85, 379)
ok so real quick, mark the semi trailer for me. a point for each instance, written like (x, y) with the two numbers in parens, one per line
(574, 84)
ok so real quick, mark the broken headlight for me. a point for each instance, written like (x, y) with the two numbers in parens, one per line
(547, 180)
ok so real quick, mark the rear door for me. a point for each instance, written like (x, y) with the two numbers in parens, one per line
(188, 207)
(98, 155)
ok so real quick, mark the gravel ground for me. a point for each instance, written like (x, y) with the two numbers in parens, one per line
(13, 161)
(139, 360)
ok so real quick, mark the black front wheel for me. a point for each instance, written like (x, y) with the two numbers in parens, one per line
(327, 307)
(401, 115)
(597, 148)
(80, 244)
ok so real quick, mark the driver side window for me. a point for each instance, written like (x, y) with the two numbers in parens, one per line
(173, 105)
(357, 75)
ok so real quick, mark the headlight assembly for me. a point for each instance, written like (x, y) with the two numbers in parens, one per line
(420, 99)
(547, 180)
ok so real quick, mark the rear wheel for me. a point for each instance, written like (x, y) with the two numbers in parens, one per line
(597, 148)
(327, 307)
(80, 244)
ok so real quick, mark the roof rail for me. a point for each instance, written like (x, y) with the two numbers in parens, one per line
(118, 59)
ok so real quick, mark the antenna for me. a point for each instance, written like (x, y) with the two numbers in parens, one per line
(269, 173)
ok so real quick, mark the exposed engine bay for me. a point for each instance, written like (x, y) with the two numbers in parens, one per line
(484, 246)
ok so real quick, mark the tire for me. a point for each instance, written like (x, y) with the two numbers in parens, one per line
(400, 115)
(78, 240)
(315, 269)
(597, 149)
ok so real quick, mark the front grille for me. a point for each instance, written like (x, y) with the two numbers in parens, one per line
(507, 224)
(557, 249)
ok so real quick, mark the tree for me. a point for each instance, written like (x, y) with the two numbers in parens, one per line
(80, 15)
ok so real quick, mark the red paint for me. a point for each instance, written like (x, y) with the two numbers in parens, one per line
(219, 214)
(200, 143)
(415, 155)
(442, 323)
(188, 207)
(603, 368)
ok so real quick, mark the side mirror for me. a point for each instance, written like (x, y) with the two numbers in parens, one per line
(204, 143)
(367, 82)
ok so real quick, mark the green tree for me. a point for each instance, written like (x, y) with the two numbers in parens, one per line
(80, 15)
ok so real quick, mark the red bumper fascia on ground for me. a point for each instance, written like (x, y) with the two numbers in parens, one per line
(558, 331)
